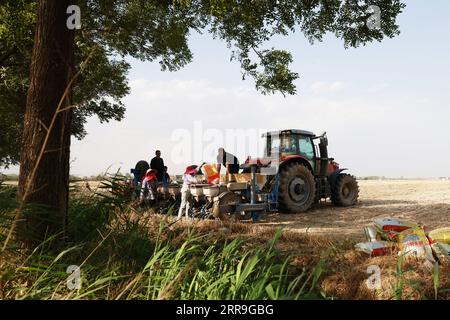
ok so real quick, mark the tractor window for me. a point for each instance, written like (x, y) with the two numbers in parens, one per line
(273, 145)
(306, 147)
(288, 145)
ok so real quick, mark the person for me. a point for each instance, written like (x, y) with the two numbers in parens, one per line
(229, 161)
(139, 174)
(186, 197)
(148, 187)
(157, 163)
(288, 145)
(166, 177)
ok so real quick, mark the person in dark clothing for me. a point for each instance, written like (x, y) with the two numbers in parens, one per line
(229, 161)
(157, 164)
(166, 176)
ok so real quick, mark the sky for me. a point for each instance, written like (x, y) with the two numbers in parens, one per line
(385, 106)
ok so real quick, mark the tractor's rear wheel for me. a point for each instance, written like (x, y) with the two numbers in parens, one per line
(345, 191)
(297, 188)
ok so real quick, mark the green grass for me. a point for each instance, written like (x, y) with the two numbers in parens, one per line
(123, 254)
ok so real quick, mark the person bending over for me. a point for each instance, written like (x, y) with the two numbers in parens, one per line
(149, 184)
(229, 161)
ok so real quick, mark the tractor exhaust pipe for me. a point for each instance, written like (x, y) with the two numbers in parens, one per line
(323, 149)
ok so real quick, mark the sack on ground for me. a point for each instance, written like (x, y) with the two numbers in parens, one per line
(413, 243)
(440, 235)
(371, 234)
(389, 228)
(374, 248)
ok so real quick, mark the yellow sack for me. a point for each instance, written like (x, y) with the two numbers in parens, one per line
(440, 235)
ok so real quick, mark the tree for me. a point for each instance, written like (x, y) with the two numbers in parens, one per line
(159, 30)
(44, 169)
(17, 25)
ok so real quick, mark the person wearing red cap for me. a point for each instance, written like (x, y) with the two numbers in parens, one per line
(186, 197)
(149, 183)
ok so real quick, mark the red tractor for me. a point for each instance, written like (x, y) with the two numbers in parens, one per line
(294, 173)
(301, 172)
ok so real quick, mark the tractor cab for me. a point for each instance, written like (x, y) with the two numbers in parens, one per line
(304, 172)
(288, 144)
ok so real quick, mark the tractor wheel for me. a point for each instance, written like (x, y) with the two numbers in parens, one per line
(297, 188)
(345, 191)
(226, 198)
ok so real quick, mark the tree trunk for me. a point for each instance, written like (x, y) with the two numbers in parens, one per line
(43, 181)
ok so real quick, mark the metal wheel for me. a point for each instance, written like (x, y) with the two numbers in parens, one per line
(220, 209)
(297, 188)
(345, 191)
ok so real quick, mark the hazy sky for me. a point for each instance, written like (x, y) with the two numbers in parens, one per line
(385, 106)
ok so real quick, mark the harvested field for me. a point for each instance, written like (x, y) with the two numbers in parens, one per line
(424, 201)
(329, 233)
(335, 230)
(345, 270)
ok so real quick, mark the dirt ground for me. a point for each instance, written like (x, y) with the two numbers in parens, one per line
(424, 201)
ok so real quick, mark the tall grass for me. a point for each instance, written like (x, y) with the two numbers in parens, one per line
(123, 254)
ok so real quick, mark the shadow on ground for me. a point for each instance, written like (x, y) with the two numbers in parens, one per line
(337, 222)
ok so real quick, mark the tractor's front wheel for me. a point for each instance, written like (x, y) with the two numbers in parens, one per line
(345, 191)
(297, 188)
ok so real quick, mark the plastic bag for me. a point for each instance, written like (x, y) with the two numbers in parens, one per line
(374, 248)
(371, 234)
(389, 228)
(414, 243)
